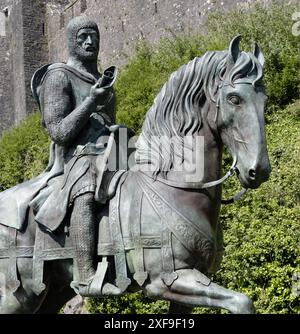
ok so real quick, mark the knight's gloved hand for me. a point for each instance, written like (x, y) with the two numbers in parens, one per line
(100, 95)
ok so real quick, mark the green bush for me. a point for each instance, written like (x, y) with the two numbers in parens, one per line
(261, 232)
(23, 152)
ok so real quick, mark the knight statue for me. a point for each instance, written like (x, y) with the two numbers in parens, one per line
(78, 110)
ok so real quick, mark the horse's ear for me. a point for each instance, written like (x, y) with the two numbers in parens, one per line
(258, 54)
(234, 50)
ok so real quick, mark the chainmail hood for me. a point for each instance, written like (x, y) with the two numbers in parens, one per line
(77, 23)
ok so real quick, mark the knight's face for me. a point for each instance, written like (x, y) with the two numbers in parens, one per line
(87, 44)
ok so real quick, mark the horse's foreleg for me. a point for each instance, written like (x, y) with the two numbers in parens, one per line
(188, 290)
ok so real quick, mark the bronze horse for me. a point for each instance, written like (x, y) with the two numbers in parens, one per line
(169, 235)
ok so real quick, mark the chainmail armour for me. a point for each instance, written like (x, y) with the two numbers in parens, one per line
(83, 232)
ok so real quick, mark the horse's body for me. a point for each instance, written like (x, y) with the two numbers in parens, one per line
(178, 270)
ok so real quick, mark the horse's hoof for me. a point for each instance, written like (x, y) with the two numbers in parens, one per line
(244, 305)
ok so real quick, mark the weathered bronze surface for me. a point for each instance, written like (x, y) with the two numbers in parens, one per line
(154, 227)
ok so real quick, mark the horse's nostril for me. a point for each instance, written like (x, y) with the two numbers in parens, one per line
(252, 173)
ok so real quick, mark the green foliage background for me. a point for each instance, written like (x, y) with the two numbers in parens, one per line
(262, 231)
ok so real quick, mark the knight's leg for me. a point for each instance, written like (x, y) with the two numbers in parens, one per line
(189, 291)
(83, 235)
(83, 231)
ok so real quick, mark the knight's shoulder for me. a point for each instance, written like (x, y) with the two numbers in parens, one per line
(56, 70)
(55, 76)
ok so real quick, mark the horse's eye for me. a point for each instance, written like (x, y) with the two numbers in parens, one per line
(234, 99)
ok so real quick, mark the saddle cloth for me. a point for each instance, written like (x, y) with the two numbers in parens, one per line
(142, 217)
(118, 235)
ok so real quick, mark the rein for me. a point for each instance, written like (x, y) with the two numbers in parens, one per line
(198, 185)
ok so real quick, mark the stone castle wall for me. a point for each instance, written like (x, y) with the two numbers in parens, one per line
(23, 49)
(6, 100)
(35, 35)
(123, 23)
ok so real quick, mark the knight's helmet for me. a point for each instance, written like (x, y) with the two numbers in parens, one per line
(76, 24)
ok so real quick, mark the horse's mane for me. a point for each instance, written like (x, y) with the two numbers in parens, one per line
(176, 111)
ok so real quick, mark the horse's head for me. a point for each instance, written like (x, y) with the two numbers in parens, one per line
(240, 106)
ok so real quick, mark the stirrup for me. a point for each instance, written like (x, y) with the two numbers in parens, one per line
(91, 289)
(95, 285)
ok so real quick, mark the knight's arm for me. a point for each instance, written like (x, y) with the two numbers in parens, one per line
(62, 123)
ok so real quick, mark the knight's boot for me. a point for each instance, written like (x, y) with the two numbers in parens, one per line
(90, 283)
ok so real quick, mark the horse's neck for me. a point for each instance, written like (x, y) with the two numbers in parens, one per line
(206, 202)
(197, 157)
(204, 164)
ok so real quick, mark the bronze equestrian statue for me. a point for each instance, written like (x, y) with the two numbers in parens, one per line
(82, 228)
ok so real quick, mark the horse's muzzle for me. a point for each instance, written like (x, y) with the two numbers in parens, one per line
(255, 176)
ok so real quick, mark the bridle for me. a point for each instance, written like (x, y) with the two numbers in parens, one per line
(199, 185)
